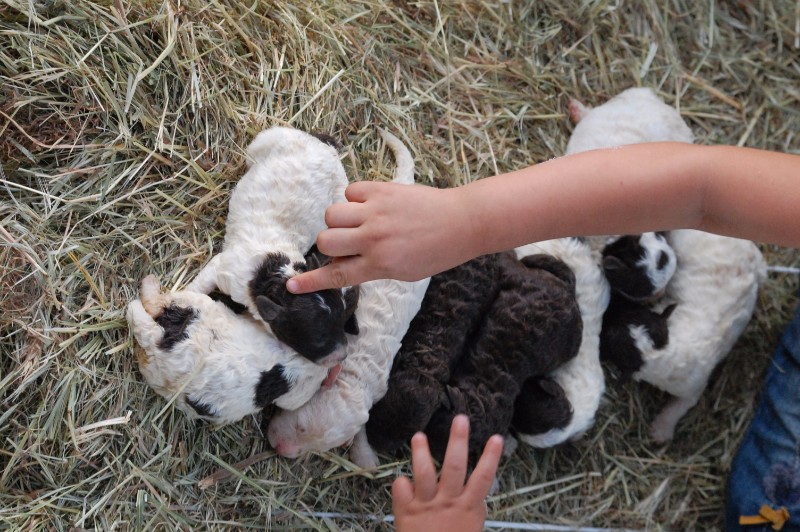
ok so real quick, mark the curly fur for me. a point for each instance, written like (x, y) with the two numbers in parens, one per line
(539, 418)
(218, 365)
(274, 215)
(451, 313)
(335, 416)
(533, 327)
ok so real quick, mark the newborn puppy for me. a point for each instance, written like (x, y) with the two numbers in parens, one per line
(275, 213)
(222, 367)
(451, 313)
(335, 416)
(533, 327)
(541, 417)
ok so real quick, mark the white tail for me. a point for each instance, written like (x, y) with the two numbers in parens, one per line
(404, 172)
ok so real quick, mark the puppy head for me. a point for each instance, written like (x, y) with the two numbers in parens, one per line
(312, 324)
(330, 419)
(199, 352)
(639, 267)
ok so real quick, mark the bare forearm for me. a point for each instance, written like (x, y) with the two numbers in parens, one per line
(644, 187)
(410, 232)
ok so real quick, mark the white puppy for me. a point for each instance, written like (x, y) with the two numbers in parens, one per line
(222, 367)
(336, 415)
(714, 284)
(275, 213)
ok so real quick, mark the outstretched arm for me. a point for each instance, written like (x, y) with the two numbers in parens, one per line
(448, 504)
(410, 232)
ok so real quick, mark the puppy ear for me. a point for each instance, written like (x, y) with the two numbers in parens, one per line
(268, 309)
(613, 264)
(350, 303)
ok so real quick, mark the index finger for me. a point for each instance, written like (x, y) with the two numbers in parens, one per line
(344, 271)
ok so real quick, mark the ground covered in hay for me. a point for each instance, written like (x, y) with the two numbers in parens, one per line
(122, 126)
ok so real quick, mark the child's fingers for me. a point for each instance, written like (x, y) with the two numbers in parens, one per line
(402, 494)
(482, 477)
(361, 190)
(423, 467)
(345, 215)
(454, 467)
(342, 272)
(340, 242)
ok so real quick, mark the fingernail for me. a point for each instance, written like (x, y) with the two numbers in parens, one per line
(292, 285)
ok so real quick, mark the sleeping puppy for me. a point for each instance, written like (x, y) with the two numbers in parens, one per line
(220, 366)
(275, 213)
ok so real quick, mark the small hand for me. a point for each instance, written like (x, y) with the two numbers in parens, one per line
(451, 504)
(393, 231)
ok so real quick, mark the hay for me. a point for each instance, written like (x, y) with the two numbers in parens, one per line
(122, 131)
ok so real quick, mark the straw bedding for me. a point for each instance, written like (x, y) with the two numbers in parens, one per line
(122, 127)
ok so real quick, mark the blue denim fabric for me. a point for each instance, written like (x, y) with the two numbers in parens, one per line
(766, 469)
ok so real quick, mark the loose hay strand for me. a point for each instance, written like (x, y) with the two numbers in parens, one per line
(122, 131)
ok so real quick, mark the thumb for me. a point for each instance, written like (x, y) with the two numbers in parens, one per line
(333, 275)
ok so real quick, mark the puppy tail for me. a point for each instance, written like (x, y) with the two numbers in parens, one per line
(404, 172)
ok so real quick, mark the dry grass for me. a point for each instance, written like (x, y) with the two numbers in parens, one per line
(121, 134)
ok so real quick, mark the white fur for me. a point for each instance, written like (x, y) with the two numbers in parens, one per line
(633, 116)
(716, 280)
(220, 362)
(715, 287)
(277, 206)
(582, 377)
(337, 415)
(653, 246)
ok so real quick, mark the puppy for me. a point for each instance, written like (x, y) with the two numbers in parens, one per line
(275, 213)
(219, 366)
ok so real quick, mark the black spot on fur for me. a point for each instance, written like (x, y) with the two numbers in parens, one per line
(174, 320)
(225, 299)
(271, 385)
(616, 344)
(202, 409)
(327, 139)
(663, 260)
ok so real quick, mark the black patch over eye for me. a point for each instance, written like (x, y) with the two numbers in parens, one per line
(271, 385)
(174, 320)
(202, 409)
(663, 259)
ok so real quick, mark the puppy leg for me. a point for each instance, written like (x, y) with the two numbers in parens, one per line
(206, 281)
(663, 427)
(361, 453)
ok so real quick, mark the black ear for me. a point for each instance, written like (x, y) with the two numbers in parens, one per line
(611, 263)
(268, 309)
(350, 303)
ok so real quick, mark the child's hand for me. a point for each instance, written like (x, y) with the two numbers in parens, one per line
(391, 231)
(450, 504)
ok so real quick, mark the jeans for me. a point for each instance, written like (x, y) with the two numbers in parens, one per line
(766, 469)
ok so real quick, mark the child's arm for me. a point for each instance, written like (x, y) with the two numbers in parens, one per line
(404, 232)
(448, 504)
